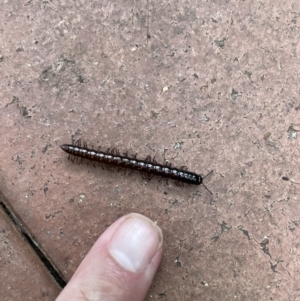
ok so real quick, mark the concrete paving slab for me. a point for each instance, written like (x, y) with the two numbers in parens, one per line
(210, 85)
(22, 276)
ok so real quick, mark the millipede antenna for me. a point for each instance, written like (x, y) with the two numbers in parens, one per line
(204, 184)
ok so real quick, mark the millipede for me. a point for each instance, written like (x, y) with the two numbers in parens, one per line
(149, 168)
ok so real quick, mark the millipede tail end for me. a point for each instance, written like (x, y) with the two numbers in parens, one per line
(64, 147)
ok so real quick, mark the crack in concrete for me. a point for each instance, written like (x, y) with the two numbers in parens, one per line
(34, 244)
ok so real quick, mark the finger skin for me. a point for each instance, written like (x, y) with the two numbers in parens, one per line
(101, 277)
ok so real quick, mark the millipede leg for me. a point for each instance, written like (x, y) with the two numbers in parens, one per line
(148, 159)
(78, 142)
(150, 177)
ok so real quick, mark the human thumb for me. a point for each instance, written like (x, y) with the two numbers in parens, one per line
(121, 265)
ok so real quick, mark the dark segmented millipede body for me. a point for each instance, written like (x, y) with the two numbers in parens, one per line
(149, 167)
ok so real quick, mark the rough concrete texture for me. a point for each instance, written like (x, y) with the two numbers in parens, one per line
(213, 85)
(22, 277)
